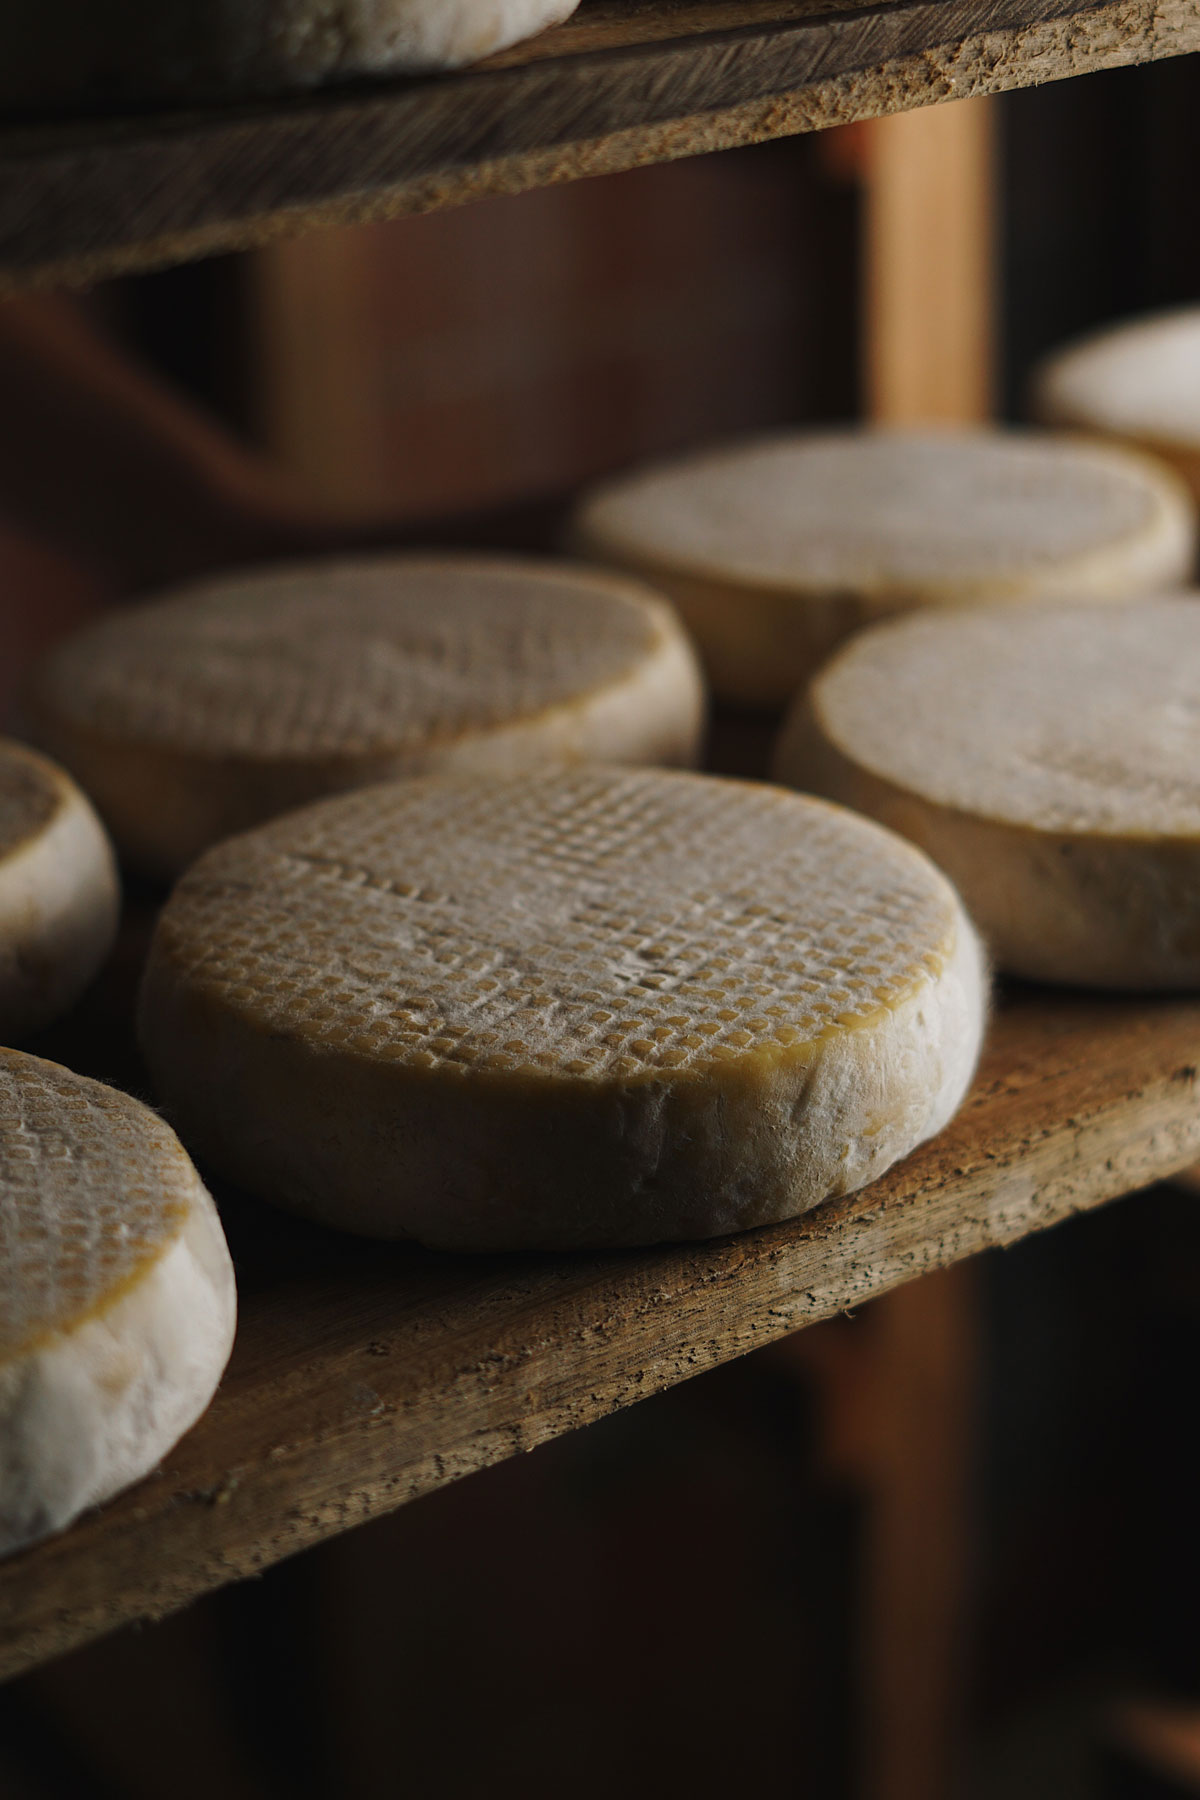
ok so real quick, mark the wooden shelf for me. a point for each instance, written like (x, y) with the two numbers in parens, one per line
(365, 1376)
(625, 82)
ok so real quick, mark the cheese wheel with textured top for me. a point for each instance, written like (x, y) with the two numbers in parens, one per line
(242, 697)
(1138, 381)
(59, 894)
(117, 1295)
(580, 1008)
(777, 549)
(88, 52)
(1050, 764)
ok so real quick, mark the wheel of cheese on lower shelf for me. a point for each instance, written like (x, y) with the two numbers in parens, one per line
(59, 894)
(1139, 381)
(239, 698)
(578, 1008)
(777, 549)
(1049, 763)
(117, 1295)
(82, 53)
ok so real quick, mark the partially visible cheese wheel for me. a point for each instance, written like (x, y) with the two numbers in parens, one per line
(84, 52)
(586, 1007)
(241, 697)
(1049, 763)
(1138, 381)
(777, 549)
(117, 1295)
(59, 894)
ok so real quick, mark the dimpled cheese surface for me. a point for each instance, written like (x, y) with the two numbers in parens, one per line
(1051, 764)
(116, 1294)
(776, 549)
(148, 51)
(593, 1007)
(238, 698)
(59, 895)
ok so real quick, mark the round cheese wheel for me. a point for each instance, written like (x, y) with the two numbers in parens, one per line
(59, 894)
(1139, 381)
(776, 550)
(239, 698)
(145, 50)
(116, 1295)
(1050, 764)
(584, 1007)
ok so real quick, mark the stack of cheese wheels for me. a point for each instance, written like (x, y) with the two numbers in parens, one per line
(776, 550)
(84, 53)
(116, 1295)
(59, 895)
(1051, 765)
(234, 700)
(1139, 382)
(585, 1007)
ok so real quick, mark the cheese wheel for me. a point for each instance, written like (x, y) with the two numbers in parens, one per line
(777, 549)
(239, 698)
(578, 1008)
(85, 52)
(59, 895)
(116, 1295)
(1049, 763)
(1139, 381)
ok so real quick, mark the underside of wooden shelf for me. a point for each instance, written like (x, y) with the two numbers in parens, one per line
(365, 1375)
(625, 82)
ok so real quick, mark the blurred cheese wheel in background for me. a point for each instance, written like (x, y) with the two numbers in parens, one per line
(243, 696)
(777, 549)
(82, 52)
(585, 1007)
(1138, 381)
(59, 893)
(1049, 763)
(117, 1300)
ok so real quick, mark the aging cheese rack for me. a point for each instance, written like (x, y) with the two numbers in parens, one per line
(364, 1377)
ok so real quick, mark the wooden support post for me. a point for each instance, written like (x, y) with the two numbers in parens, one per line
(928, 358)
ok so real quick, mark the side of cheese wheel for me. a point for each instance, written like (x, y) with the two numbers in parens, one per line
(59, 893)
(580, 1008)
(117, 1302)
(777, 549)
(82, 52)
(1050, 764)
(1138, 381)
(240, 698)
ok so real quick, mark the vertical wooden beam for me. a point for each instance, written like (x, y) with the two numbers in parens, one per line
(929, 283)
(315, 364)
(929, 278)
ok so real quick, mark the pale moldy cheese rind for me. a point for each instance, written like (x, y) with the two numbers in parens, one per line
(1138, 381)
(242, 697)
(579, 1008)
(777, 549)
(59, 893)
(1050, 763)
(86, 52)
(117, 1300)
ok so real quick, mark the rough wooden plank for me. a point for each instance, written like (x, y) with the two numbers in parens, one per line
(620, 86)
(364, 1375)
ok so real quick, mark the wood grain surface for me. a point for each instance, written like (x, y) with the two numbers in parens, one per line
(625, 82)
(365, 1375)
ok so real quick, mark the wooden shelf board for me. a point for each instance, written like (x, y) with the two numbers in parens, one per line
(366, 1375)
(625, 82)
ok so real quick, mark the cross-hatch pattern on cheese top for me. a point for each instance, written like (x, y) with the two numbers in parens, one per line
(87, 1179)
(596, 923)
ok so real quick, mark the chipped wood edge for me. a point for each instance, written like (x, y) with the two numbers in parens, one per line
(1105, 36)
